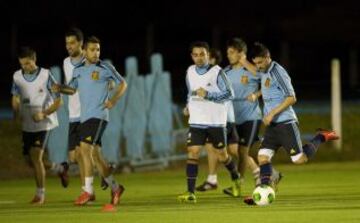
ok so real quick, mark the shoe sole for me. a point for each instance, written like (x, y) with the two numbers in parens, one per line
(230, 194)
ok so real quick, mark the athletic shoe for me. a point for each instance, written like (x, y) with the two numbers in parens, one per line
(38, 200)
(187, 197)
(275, 182)
(115, 195)
(328, 134)
(83, 198)
(235, 190)
(206, 186)
(249, 200)
(64, 177)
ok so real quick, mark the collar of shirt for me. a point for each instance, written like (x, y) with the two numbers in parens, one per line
(203, 69)
(272, 64)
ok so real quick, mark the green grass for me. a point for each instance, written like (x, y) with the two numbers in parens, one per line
(317, 192)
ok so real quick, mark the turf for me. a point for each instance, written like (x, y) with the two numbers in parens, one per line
(318, 192)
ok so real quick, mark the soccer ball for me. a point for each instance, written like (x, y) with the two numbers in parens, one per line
(263, 195)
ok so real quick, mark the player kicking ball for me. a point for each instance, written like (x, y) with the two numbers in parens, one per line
(280, 119)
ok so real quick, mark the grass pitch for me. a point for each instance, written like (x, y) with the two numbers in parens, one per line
(318, 192)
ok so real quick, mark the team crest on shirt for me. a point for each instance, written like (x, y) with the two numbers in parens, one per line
(267, 82)
(244, 80)
(95, 75)
(41, 90)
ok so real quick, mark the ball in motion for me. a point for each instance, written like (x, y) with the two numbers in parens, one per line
(263, 195)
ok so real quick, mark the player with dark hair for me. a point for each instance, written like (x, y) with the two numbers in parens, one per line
(208, 90)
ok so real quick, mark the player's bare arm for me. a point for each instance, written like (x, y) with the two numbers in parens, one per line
(63, 89)
(119, 91)
(15, 104)
(245, 63)
(51, 109)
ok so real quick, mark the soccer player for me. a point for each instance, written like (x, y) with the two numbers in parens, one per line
(246, 105)
(232, 137)
(208, 90)
(215, 56)
(74, 42)
(34, 104)
(279, 117)
(91, 79)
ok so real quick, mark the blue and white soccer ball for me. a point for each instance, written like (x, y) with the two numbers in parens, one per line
(263, 195)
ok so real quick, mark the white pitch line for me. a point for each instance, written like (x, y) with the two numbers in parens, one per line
(7, 202)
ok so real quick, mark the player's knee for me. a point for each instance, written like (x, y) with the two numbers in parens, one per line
(36, 155)
(233, 150)
(222, 155)
(193, 153)
(265, 155)
(263, 159)
(299, 159)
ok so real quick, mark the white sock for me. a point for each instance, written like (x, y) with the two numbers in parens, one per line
(89, 185)
(40, 192)
(111, 181)
(212, 179)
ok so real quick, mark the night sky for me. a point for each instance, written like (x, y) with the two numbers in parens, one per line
(312, 31)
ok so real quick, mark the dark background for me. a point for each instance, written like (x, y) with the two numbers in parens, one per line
(303, 35)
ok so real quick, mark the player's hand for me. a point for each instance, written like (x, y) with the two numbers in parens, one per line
(252, 97)
(55, 88)
(108, 104)
(268, 118)
(201, 92)
(37, 117)
(186, 111)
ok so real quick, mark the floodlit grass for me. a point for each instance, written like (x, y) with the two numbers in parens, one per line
(327, 192)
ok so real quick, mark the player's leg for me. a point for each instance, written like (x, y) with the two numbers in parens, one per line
(90, 132)
(74, 150)
(248, 134)
(34, 146)
(218, 137)
(301, 154)
(255, 170)
(36, 155)
(105, 171)
(272, 141)
(322, 136)
(211, 181)
(195, 141)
